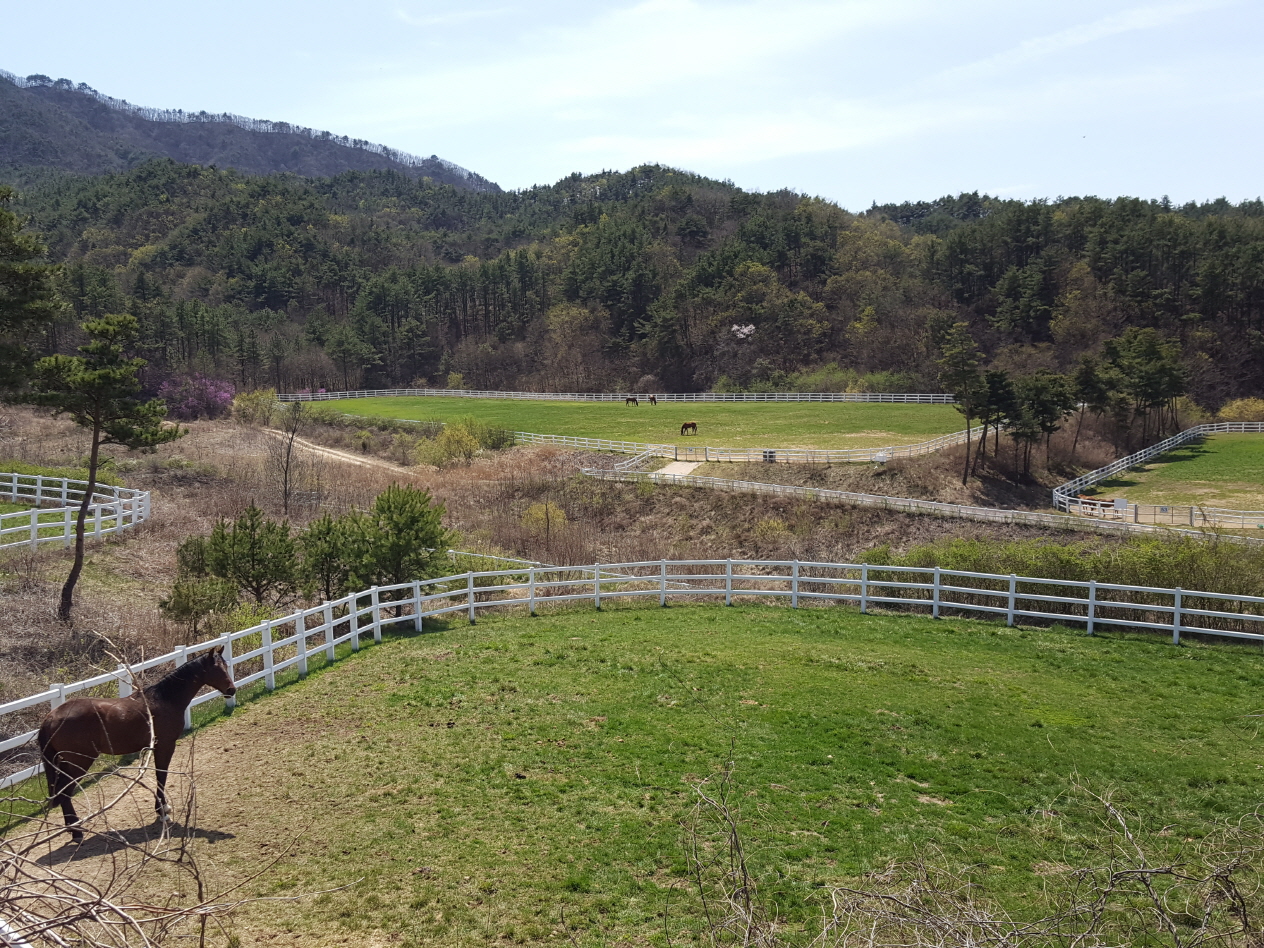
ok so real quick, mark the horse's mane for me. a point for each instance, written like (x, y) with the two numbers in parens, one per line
(171, 684)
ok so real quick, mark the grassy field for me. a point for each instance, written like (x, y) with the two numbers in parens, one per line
(722, 424)
(471, 785)
(1223, 470)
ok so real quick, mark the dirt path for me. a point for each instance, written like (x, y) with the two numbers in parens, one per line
(345, 456)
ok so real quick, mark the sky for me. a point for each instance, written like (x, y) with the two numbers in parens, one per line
(857, 101)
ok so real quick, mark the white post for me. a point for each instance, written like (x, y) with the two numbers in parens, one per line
(469, 593)
(1176, 617)
(864, 588)
(1092, 605)
(417, 605)
(96, 522)
(57, 700)
(231, 701)
(597, 586)
(182, 656)
(934, 611)
(269, 676)
(1013, 598)
(124, 680)
(531, 589)
(353, 622)
(329, 633)
(662, 583)
(377, 614)
(728, 582)
(300, 630)
(35, 527)
(794, 585)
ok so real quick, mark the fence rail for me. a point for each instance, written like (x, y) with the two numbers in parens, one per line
(112, 509)
(260, 653)
(1067, 496)
(890, 397)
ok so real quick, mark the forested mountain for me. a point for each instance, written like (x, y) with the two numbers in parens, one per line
(57, 124)
(649, 278)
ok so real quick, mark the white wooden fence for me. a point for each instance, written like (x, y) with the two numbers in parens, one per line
(112, 509)
(1067, 496)
(899, 398)
(292, 643)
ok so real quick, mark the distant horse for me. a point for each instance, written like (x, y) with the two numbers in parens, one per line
(653, 400)
(631, 400)
(689, 427)
(77, 732)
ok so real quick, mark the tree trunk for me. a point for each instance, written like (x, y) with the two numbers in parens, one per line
(965, 474)
(1079, 423)
(68, 590)
(982, 449)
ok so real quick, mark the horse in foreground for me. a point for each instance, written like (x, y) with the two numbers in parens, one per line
(79, 731)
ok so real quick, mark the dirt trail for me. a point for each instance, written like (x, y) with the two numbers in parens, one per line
(345, 456)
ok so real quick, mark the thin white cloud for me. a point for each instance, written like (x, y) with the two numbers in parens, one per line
(446, 19)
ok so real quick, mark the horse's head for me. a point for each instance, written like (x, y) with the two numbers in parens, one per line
(218, 675)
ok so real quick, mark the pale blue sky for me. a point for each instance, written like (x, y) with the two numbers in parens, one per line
(855, 100)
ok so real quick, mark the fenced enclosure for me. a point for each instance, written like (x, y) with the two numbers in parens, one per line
(889, 397)
(318, 634)
(112, 509)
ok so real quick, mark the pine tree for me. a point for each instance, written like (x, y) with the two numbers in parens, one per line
(27, 300)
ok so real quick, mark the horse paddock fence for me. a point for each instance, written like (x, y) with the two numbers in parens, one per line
(262, 652)
(884, 397)
(55, 503)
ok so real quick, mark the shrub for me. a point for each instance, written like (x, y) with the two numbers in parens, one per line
(457, 442)
(255, 408)
(196, 396)
(1242, 409)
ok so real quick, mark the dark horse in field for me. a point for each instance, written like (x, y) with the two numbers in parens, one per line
(631, 400)
(77, 732)
(689, 427)
(653, 400)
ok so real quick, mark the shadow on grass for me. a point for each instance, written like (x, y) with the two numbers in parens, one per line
(103, 844)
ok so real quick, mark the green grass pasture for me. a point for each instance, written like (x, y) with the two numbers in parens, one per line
(472, 784)
(1222, 470)
(721, 424)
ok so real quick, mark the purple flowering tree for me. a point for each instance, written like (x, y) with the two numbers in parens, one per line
(192, 397)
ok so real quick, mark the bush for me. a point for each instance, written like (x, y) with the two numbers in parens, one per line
(457, 443)
(1242, 409)
(255, 408)
(196, 396)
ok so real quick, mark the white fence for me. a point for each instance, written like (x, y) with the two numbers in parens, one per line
(261, 653)
(898, 398)
(902, 504)
(112, 509)
(1066, 496)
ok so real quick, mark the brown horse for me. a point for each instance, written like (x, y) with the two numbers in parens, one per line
(77, 732)
(631, 400)
(688, 427)
(653, 400)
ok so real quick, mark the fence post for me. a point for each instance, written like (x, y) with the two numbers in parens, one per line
(230, 702)
(96, 522)
(35, 527)
(1092, 605)
(375, 604)
(662, 583)
(1176, 617)
(300, 632)
(864, 588)
(329, 633)
(57, 700)
(728, 582)
(1136, 513)
(269, 677)
(531, 589)
(934, 611)
(597, 586)
(469, 592)
(794, 585)
(1013, 599)
(124, 680)
(417, 605)
(182, 656)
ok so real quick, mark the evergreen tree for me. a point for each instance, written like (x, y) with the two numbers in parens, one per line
(255, 554)
(959, 373)
(27, 301)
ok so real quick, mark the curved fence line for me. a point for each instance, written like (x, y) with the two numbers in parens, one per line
(293, 643)
(904, 504)
(906, 399)
(1066, 496)
(112, 509)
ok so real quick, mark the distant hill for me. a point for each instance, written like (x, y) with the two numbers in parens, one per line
(58, 124)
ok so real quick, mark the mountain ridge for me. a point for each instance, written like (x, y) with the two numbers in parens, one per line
(56, 123)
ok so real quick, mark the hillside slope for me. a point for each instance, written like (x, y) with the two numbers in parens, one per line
(49, 124)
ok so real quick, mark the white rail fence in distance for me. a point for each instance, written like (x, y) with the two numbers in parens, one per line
(262, 652)
(887, 397)
(112, 509)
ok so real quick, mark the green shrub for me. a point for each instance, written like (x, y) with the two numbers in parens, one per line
(255, 408)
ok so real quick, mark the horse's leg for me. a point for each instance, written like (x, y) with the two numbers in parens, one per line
(162, 760)
(63, 779)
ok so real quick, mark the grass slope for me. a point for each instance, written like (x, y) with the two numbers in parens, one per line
(1223, 470)
(721, 424)
(481, 781)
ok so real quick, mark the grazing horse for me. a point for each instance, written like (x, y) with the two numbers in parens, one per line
(77, 732)
(688, 427)
(653, 400)
(631, 400)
